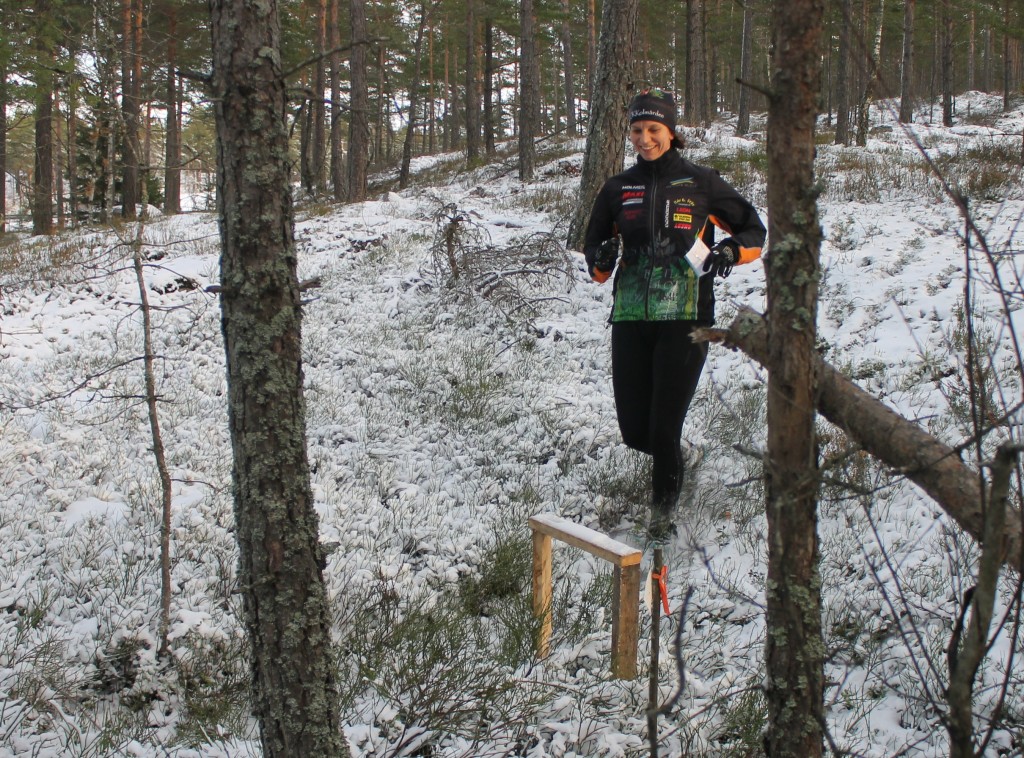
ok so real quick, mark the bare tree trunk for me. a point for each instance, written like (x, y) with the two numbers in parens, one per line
(746, 67)
(3, 140)
(568, 71)
(972, 43)
(591, 50)
(381, 126)
(130, 89)
(159, 455)
(986, 59)
(969, 646)
(907, 75)
(946, 63)
(901, 444)
(414, 99)
(794, 651)
(472, 86)
(448, 137)
(359, 105)
(871, 73)
(319, 113)
(432, 97)
(281, 560)
(143, 123)
(337, 155)
(606, 127)
(696, 107)
(110, 164)
(58, 171)
(529, 91)
(305, 121)
(172, 141)
(42, 176)
(489, 74)
(1007, 69)
(843, 73)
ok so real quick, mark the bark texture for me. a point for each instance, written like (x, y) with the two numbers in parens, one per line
(907, 74)
(898, 442)
(42, 174)
(529, 91)
(359, 105)
(172, 144)
(606, 130)
(794, 650)
(281, 559)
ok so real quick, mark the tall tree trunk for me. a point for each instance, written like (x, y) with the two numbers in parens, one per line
(306, 178)
(337, 157)
(359, 105)
(432, 97)
(606, 127)
(129, 114)
(529, 91)
(843, 73)
(448, 139)
(472, 86)
(142, 125)
(746, 68)
(319, 111)
(42, 176)
(382, 107)
(986, 60)
(896, 441)
(972, 42)
(568, 71)
(907, 75)
(58, 171)
(3, 138)
(281, 560)
(946, 63)
(871, 73)
(489, 88)
(172, 141)
(591, 50)
(414, 99)
(794, 651)
(1007, 65)
(692, 93)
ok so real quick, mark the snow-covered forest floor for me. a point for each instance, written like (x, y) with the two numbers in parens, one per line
(442, 413)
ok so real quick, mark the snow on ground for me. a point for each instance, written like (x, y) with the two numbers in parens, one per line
(435, 430)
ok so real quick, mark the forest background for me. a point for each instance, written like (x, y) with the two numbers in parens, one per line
(387, 126)
(106, 98)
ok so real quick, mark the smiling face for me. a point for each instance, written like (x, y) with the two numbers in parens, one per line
(650, 138)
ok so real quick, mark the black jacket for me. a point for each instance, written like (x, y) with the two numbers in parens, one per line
(658, 208)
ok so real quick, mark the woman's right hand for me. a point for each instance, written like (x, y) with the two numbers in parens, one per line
(601, 260)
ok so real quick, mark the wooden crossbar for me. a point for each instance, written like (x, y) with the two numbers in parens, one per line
(626, 576)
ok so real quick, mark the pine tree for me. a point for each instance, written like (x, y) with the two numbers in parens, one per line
(529, 91)
(286, 614)
(42, 182)
(613, 84)
(359, 104)
(794, 649)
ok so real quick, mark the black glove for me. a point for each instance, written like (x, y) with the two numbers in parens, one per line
(603, 259)
(723, 257)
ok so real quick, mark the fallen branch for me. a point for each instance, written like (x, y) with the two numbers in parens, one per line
(898, 442)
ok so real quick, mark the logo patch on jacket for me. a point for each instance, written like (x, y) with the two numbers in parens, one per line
(686, 181)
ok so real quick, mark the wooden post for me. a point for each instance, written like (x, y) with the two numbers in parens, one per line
(542, 590)
(626, 593)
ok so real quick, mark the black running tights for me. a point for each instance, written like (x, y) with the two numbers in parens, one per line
(655, 369)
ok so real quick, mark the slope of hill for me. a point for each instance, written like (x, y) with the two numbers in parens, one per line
(450, 396)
